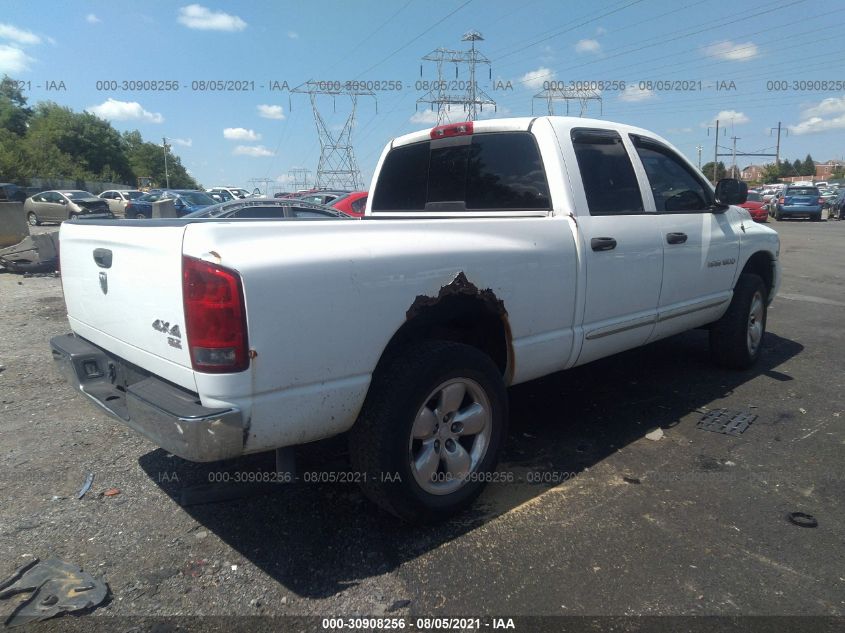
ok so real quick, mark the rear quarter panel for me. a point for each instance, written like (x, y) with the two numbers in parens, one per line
(324, 299)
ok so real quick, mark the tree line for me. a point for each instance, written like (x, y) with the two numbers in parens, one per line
(53, 141)
(773, 172)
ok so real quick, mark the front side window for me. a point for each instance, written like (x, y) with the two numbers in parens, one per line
(674, 186)
(609, 181)
(486, 171)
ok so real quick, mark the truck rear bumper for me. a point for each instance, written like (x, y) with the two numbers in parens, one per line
(168, 415)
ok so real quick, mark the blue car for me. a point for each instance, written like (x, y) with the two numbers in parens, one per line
(799, 200)
(185, 200)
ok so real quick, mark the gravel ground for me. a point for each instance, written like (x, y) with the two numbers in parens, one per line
(691, 524)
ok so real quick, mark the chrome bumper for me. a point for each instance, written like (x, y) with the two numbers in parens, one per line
(171, 417)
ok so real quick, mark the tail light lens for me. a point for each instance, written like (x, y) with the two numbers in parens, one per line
(821, 200)
(780, 200)
(215, 317)
(452, 129)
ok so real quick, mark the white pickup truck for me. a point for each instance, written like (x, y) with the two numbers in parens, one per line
(491, 253)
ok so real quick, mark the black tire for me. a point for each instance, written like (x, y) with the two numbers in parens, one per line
(33, 219)
(381, 444)
(816, 217)
(778, 215)
(140, 216)
(73, 216)
(730, 340)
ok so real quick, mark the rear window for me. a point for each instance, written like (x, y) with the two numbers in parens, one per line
(484, 172)
(754, 197)
(802, 191)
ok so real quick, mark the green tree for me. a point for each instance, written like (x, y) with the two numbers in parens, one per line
(797, 168)
(147, 159)
(809, 167)
(14, 113)
(707, 170)
(771, 173)
(786, 169)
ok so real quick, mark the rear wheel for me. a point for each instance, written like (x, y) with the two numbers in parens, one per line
(737, 338)
(429, 433)
(73, 216)
(778, 215)
(33, 219)
(816, 217)
(140, 216)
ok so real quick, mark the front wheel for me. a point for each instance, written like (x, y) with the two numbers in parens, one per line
(33, 219)
(428, 436)
(737, 338)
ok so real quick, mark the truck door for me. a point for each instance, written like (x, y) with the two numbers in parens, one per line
(700, 247)
(623, 253)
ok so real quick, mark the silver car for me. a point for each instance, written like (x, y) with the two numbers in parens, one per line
(58, 206)
(117, 199)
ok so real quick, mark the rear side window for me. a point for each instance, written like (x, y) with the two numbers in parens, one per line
(485, 172)
(259, 212)
(609, 181)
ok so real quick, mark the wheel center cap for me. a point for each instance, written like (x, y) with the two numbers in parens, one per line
(444, 432)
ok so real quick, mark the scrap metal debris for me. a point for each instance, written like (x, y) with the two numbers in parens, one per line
(56, 586)
(111, 492)
(726, 422)
(802, 519)
(89, 481)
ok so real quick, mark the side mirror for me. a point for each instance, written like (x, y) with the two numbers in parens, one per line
(731, 191)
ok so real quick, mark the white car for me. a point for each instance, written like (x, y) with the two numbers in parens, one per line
(117, 199)
(491, 253)
(229, 193)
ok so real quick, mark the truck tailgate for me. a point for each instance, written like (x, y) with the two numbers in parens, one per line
(123, 289)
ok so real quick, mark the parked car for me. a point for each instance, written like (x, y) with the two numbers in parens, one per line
(754, 205)
(234, 192)
(827, 196)
(268, 208)
(493, 252)
(322, 196)
(352, 204)
(798, 200)
(117, 199)
(11, 193)
(185, 200)
(837, 206)
(58, 206)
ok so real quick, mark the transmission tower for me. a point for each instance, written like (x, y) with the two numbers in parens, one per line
(473, 99)
(582, 97)
(337, 167)
(255, 182)
(298, 178)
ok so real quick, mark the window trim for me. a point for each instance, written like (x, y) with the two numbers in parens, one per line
(653, 144)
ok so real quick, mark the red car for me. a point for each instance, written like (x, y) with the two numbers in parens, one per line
(352, 204)
(755, 206)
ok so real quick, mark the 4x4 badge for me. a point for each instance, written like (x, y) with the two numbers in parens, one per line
(104, 283)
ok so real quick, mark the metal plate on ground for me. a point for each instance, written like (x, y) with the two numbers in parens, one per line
(726, 422)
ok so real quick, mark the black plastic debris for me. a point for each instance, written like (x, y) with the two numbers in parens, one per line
(802, 519)
(726, 422)
(56, 586)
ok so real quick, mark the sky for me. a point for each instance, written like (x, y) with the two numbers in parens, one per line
(748, 64)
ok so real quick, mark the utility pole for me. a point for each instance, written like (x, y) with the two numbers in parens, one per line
(715, 152)
(777, 150)
(473, 98)
(298, 178)
(699, 148)
(733, 159)
(166, 174)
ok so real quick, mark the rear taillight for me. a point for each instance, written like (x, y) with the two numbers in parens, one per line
(215, 318)
(452, 129)
(821, 200)
(780, 200)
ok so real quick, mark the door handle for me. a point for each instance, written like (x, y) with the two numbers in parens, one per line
(102, 257)
(603, 243)
(676, 238)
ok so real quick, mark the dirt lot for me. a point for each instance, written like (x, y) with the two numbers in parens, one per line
(692, 524)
